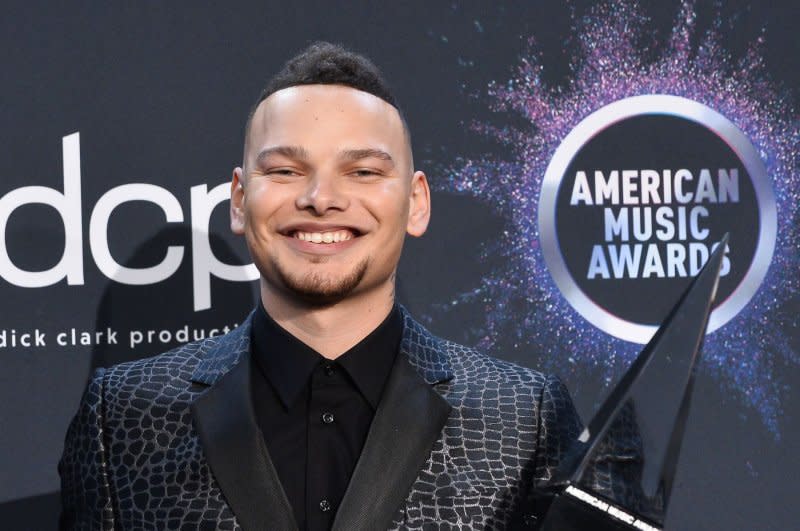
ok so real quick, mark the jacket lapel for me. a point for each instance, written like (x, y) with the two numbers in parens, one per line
(233, 444)
(407, 423)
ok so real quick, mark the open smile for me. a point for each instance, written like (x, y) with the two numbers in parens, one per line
(326, 237)
(317, 239)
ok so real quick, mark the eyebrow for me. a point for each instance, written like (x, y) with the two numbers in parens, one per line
(291, 152)
(301, 154)
(358, 154)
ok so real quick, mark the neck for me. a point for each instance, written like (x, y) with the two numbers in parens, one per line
(330, 330)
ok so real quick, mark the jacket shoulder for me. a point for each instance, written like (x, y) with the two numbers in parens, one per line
(440, 359)
(172, 376)
(479, 368)
(206, 358)
(177, 363)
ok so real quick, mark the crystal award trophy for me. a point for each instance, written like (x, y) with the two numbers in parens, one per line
(618, 474)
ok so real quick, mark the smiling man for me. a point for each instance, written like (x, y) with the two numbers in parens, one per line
(330, 407)
(325, 197)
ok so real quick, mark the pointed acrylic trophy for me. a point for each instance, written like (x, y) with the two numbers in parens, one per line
(618, 475)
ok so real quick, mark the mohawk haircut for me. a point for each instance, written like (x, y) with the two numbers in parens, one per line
(324, 63)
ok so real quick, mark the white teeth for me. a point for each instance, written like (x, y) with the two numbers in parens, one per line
(324, 237)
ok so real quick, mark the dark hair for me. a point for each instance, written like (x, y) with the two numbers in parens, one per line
(323, 63)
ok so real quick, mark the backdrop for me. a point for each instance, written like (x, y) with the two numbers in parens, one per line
(584, 156)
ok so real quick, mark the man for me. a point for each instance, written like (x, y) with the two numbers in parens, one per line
(330, 407)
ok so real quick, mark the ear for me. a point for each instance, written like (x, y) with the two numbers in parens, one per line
(237, 202)
(419, 205)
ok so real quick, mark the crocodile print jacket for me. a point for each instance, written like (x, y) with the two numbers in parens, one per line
(458, 442)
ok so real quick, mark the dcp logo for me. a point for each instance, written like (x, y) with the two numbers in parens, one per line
(69, 207)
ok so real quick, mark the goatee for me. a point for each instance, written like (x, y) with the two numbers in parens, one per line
(319, 289)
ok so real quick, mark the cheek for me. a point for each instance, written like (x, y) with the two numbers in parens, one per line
(389, 204)
(262, 208)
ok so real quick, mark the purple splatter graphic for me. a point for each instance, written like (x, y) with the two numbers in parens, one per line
(524, 308)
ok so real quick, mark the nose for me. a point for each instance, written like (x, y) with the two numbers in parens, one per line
(321, 194)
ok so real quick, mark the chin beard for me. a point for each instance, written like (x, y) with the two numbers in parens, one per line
(321, 290)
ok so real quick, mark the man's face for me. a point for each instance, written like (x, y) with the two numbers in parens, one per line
(327, 193)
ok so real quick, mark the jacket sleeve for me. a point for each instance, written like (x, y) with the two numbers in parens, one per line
(615, 469)
(85, 493)
(559, 427)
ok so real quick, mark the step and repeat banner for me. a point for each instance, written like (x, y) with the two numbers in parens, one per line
(585, 158)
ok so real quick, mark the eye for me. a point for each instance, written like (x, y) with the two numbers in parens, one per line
(365, 172)
(282, 172)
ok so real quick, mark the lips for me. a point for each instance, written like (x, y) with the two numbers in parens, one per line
(319, 234)
(324, 237)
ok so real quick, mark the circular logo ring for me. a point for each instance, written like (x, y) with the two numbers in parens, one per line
(655, 104)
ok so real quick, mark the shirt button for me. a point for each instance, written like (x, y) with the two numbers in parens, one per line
(324, 506)
(329, 370)
(327, 418)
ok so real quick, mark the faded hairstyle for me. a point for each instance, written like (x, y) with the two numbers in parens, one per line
(323, 63)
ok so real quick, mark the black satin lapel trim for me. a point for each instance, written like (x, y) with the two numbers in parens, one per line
(408, 421)
(237, 454)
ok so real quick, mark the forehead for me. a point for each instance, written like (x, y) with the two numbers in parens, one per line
(320, 117)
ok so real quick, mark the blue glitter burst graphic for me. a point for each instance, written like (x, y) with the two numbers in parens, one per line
(521, 300)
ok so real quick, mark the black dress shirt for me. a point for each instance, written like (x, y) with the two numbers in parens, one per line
(315, 413)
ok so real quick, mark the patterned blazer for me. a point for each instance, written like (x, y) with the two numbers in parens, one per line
(170, 442)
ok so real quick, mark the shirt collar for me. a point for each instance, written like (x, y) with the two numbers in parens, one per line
(287, 362)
